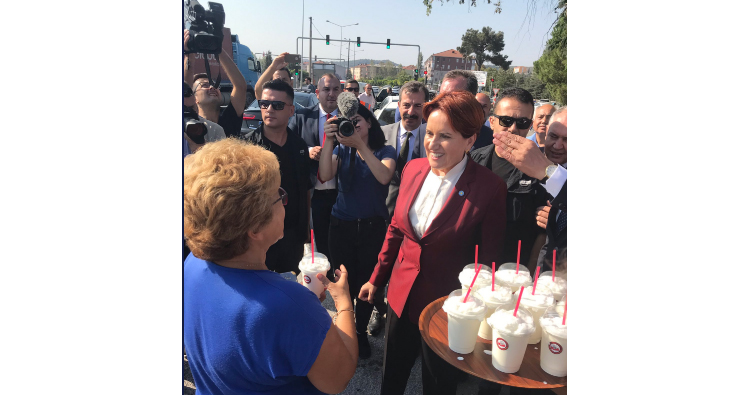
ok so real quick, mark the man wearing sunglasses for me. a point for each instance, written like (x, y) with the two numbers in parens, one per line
(273, 134)
(277, 70)
(513, 113)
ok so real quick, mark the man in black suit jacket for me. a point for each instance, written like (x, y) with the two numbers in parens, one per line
(308, 124)
(464, 80)
(551, 168)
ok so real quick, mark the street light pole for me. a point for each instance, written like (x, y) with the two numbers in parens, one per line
(342, 39)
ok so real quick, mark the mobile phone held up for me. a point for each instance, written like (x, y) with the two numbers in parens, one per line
(292, 58)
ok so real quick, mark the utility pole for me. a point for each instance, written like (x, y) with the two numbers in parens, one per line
(309, 63)
(347, 55)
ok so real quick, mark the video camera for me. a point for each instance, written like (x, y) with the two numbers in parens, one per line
(192, 125)
(206, 33)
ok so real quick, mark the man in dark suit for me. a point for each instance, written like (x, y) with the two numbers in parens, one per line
(308, 124)
(463, 80)
(551, 169)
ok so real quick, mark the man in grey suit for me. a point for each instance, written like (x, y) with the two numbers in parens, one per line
(407, 137)
(412, 97)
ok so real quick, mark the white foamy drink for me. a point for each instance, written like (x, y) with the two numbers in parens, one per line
(510, 337)
(536, 303)
(463, 320)
(310, 269)
(467, 275)
(507, 275)
(502, 296)
(559, 287)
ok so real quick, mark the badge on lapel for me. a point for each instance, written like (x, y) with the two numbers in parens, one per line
(460, 193)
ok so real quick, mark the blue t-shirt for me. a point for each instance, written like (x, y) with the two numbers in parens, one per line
(360, 195)
(249, 331)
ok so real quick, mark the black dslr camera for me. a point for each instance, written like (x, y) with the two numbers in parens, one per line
(206, 33)
(346, 126)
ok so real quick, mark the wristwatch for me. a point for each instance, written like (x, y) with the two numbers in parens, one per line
(550, 170)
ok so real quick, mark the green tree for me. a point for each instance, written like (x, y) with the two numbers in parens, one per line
(420, 59)
(428, 4)
(265, 61)
(552, 67)
(484, 45)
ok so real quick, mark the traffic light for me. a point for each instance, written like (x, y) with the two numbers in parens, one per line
(296, 72)
(388, 44)
(416, 73)
(358, 41)
(425, 73)
(328, 39)
(492, 79)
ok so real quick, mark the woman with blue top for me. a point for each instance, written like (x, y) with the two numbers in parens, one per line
(364, 165)
(246, 329)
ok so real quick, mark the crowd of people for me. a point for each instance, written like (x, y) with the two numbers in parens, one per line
(398, 210)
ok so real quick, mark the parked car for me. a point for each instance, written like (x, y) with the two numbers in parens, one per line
(386, 101)
(387, 114)
(375, 90)
(396, 89)
(252, 118)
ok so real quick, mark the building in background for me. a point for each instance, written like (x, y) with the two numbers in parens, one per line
(439, 64)
(523, 70)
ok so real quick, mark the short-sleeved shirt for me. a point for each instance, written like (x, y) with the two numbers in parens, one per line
(230, 121)
(360, 195)
(249, 331)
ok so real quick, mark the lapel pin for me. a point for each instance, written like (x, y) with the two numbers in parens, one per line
(460, 193)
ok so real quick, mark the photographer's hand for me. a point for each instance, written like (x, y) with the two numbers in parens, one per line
(267, 75)
(328, 166)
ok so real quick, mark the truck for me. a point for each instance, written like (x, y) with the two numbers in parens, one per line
(242, 56)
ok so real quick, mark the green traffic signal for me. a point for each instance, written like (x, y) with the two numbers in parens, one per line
(358, 41)
(328, 39)
(388, 44)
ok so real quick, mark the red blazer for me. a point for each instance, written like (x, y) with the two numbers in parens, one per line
(426, 269)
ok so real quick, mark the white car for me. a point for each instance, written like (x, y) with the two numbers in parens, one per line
(387, 114)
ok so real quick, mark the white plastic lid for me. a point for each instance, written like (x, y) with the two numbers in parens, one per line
(467, 276)
(501, 295)
(321, 263)
(474, 307)
(542, 298)
(559, 286)
(503, 321)
(551, 321)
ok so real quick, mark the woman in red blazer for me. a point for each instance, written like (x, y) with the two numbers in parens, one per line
(447, 204)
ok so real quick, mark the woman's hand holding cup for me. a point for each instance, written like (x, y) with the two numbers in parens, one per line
(338, 288)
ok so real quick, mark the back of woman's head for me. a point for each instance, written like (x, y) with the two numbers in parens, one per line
(226, 195)
(462, 109)
(375, 136)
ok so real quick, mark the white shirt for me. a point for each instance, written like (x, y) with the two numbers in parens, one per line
(402, 137)
(369, 100)
(330, 184)
(555, 183)
(433, 195)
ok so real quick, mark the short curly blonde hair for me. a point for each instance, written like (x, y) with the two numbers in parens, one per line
(225, 195)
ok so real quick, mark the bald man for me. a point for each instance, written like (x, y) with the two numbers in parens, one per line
(542, 115)
(486, 103)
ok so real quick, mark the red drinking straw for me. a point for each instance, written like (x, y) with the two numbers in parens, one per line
(493, 276)
(565, 313)
(536, 277)
(518, 259)
(476, 273)
(312, 243)
(554, 257)
(476, 256)
(520, 294)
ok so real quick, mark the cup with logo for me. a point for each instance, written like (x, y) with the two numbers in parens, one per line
(309, 268)
(553, 356)
(502, 296)
(510, 335)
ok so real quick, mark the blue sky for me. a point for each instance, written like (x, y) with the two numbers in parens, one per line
(275, 25)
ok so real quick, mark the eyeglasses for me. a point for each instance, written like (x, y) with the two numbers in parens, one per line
(277, 105)
(522, 123)
(283, 197)
(203, 85)
(351, 89)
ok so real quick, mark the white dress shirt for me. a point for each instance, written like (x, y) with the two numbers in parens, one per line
(433, 195)
(369, 101)
(554, 184)
(402, 137)
(330, 184)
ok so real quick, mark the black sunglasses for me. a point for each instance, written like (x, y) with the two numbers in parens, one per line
(523, 123)
(277, 105)
(351, 89)
(282, 196)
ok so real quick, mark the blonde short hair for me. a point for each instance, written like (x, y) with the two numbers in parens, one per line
(225, 195)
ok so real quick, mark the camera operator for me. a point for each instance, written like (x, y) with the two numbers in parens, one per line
(196, 130)
(364, 165)
(208, 98)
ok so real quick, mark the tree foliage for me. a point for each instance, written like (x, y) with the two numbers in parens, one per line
(473, 3)
(484, 45)
(420, 59)
(508, 79)
(265, 61)
(552, 66)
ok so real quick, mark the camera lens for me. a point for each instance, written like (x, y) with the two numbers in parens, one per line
(346, 128)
